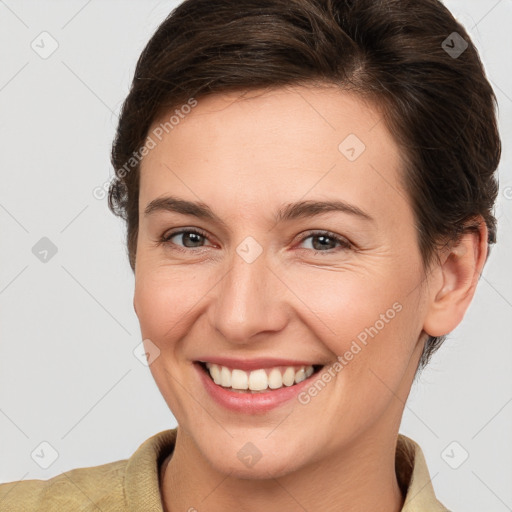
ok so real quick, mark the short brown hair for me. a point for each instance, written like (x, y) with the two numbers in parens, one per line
(410, 57)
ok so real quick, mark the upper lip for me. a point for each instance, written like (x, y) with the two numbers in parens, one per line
(255, 364)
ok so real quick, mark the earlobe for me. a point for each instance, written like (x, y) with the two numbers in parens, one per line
(460, 270)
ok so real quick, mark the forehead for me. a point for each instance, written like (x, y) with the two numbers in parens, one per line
(288, 143)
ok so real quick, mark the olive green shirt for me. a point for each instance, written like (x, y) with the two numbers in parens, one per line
(132, 485)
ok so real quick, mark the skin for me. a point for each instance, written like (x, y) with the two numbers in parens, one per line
(245, 156)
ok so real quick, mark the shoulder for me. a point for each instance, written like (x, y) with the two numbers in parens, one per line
(129, 484)
(79, 489)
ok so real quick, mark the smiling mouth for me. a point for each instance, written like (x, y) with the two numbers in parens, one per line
(262, 380)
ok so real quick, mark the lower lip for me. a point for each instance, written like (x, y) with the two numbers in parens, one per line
(251, 403)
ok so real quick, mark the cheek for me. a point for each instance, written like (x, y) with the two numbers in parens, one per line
(370, 320)
(166, 299)
(341, 304)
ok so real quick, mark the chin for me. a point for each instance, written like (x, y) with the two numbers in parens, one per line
(256, 460)
(266, 468)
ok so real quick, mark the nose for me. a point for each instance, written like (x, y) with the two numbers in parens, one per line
(249, 300)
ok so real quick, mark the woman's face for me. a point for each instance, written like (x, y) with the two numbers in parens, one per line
(256, 285)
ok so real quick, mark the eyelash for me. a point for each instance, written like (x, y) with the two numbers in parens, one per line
(343, 243)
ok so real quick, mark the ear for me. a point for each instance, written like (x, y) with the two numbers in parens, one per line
(455, 281)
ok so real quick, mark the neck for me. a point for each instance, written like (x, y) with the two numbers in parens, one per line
(361, 477)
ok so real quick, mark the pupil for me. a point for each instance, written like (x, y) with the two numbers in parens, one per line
(191, 235)
(318, 237)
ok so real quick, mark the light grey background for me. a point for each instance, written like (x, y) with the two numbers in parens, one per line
(68, 374)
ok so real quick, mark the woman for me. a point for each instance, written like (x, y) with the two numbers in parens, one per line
(308, 189)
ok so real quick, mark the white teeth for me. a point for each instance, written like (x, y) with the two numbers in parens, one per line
(289, 376)
(300, 376)
(225, 377)
(239, 380)
(258, 380)
(215, 373)
(275, 379)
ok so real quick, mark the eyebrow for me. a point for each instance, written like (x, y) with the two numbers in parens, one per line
(287, 212)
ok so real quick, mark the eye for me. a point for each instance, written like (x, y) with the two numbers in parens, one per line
(190, 238)
(326, 241)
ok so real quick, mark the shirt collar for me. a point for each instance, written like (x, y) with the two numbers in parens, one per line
(414, 478)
